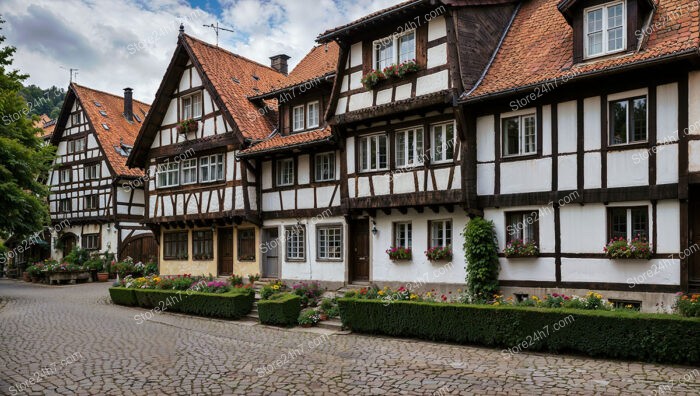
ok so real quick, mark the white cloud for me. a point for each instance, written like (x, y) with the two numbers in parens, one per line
(129, 43)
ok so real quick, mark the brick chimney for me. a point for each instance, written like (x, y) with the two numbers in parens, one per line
(128, 104)
(279, 63)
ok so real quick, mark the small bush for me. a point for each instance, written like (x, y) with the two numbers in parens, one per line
(280, 310)
(687, 305)
(481, 251)
(122, 296)
(658, 338)
(309, 317)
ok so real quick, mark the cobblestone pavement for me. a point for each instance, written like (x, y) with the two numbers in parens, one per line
(85, 345)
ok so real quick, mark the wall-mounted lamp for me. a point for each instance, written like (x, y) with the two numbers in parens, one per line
(374, 228)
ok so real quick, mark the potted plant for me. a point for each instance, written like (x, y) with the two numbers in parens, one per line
(399, 253)
(519, 248)
(439, 253)
(34, 273)
(26, 277)
(186, 126)
(252, 278)
(308, 318)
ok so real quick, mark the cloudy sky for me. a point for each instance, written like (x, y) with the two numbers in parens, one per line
(115, 44)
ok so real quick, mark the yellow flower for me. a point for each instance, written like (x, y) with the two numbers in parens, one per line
(535, 298)
(276, 287)
(428, 294)
(496, 303)
(381, 292)
(413, 296)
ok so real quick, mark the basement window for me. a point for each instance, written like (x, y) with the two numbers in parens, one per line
(626, 304)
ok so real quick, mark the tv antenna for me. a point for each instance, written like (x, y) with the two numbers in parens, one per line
(216, 29)
(73, 73)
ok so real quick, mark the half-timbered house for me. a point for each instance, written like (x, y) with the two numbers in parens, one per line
(203, 202)
(403, 138)
(304, 231)
(94, 134)
(587, 128)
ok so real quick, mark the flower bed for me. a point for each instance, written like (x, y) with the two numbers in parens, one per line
(621, 248)
(610, 334)
(281, 309)
(687, 305)
(232, 304)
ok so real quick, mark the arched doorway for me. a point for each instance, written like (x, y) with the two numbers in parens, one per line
(68, 243)
(141, 248)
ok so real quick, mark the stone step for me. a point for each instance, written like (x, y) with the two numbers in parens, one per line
(331, 324)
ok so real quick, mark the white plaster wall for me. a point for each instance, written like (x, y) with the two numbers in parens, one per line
(356, 80)
(350, 154)
(667, 164)
(342, 104)
(485, 139)
(591, 123)
(592, 168)
(667, 113)
(660, 272)
(567, 176)
(303, 169)
(356, 54)
(437, 56)
(693, 156)
(526, 176)
(432, 83)
(567, 124)
(583, 228)
(437, 28)
(360, 100)
(547, 130)
(403, 91)
(384, 96)
(419, 268)
(628, 168)
(668, 218)
(267, 174)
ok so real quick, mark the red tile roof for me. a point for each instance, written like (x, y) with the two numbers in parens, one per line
(539, 46)
(331, 32)
(321, 61)
(280, 142)
(235, 78)
(120, 130)
(47, 126)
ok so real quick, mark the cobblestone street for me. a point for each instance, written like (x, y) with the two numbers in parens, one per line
(86, 345)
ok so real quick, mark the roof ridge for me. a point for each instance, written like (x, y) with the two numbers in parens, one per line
(107, 93)
(232, 54)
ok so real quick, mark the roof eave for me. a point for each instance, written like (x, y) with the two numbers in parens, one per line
(275, 93)
(252, 154)
(687, 54)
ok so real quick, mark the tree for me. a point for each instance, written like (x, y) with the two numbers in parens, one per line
(44, 101)
(22, 157)
(481, 250)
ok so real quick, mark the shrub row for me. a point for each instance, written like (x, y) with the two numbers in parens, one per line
(280, 310)
(620, 335)
(231, 305)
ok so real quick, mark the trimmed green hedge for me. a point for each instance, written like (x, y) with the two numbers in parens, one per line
(232, 305)
(610, 334)
(281, 310)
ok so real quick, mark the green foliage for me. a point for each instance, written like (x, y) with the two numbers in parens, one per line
(621, 248)
(231, 305)
(687, 305)
(629, 335)
(481, 251)
(281, 309)
(23, 159)
(309, 317)
(236, 279)
(77, 256)
(44, 101)
(271, 289)
(151, 269)
(94, 264)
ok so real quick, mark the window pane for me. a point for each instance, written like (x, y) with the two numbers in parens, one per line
(511, 134)
(619, 223)
(419, 146)
(382, 151)
(615, 16)
(197, 105)
(595, 43)
(187, 108)
(401, 149)
(615, 39)
(407, 47)
(529, 134)
(373, 151)
(618, 122)
(384, 53)
(640, 225)
(595, 21)
(313, 115)
(364, 153)
(437, 143)
(639, 120)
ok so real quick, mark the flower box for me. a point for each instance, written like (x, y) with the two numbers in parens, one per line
(187, 126)
(401, 70)
(399, 253)
(371, 79)
(519, 249)
(439, 253)
(636, 249)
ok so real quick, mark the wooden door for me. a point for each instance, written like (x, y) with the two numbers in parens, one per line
(141, 248)
(359, 250)
(693, 256)
(225, 251)
(270, 253)
(69, 242)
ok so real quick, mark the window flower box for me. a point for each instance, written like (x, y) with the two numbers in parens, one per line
(401, 70)
(517, 248)
(187, 126)
(399, 253)
(636, 249)
(371, 79)
(439, 253)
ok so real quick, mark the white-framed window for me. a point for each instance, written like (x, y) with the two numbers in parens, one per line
(75, 119)
(403, 235)
(285, 172)
(373, 153)
(440, 233)
(628, 222)
(65, 175)
(295, 237)
(330, 242)
(325, 166)
(76, 146)
(519, 135)
(65, 205)
(92, 201)
(192, 106)
(91, 241)
(522, 226)
(211, 168)
(442, 144)
(298, 118)
(628, 120)
(394, 49)
(604, 29)
(168, 174)
(189, 171)
(91, 171)
(312, 114)
(409, 147)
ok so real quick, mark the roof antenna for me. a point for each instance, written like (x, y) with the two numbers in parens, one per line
(216, 29)
(73, 73)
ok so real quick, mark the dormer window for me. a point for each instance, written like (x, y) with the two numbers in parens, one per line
(605, 29)
(298, 118)
(394, 49)
(312, 114)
